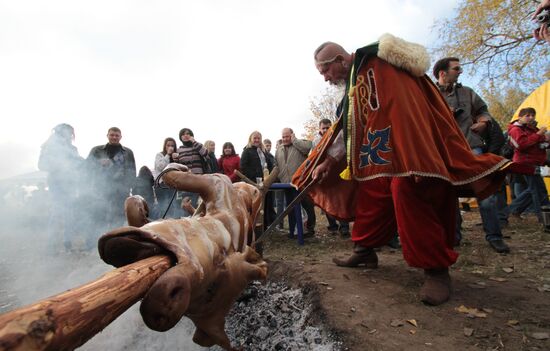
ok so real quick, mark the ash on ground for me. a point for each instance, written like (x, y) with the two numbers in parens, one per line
(273, 316)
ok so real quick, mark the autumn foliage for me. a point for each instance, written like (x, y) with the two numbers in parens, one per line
(493, 39)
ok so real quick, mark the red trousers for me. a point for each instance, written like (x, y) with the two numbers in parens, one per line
(422, 213)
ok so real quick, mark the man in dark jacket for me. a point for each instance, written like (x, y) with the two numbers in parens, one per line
(112, 169)
(473, 118)
(60, 158)
(496, 143)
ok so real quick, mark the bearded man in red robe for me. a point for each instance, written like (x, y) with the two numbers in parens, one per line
(395, 160)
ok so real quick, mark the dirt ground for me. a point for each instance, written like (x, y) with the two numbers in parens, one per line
(499, 302)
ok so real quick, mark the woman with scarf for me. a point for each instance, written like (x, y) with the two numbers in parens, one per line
(254, 164)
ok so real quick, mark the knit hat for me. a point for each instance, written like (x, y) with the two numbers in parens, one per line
(186, 130)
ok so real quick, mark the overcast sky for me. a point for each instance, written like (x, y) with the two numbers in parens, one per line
(221, 68)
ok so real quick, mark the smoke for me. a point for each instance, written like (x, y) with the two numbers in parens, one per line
(129, 333)
(48, 236)
(28, 275)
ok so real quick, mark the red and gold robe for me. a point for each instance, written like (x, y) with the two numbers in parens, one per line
(396, 124)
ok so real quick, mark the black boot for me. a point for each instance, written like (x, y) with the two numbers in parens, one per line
(499, 246)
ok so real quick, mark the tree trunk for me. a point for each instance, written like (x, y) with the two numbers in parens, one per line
(68, 320)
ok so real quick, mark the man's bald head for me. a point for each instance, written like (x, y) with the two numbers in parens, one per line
(327, 52)
(333, 62)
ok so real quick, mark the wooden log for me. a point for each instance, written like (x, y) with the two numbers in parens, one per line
(68, 320)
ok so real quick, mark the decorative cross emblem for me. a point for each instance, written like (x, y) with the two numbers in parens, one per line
(378, 141)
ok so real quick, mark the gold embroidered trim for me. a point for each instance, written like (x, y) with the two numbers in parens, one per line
(503, 164)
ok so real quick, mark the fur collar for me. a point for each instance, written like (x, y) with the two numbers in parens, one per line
(411, 57)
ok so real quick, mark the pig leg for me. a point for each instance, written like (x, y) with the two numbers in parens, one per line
(211, 331)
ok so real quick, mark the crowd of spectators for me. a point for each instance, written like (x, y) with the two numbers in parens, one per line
(104, 179)
(109, 171)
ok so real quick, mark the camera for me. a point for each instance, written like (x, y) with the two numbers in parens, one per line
(457, 112)
(543, 17)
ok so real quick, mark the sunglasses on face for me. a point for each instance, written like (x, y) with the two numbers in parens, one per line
(457, 68)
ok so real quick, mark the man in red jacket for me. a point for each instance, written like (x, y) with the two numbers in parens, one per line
(530, 145)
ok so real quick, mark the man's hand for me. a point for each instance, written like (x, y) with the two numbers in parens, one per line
(479, 127)
(187, 205)
(321, 171)
(542, 5)
(542, 33)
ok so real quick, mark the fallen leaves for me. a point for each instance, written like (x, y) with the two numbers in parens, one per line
(514, 324)
(540, 335)
(468, 331)
(400, 322)
(397, 323)
(498, 279)
(472, 312)
(478, 285)
(508, 269)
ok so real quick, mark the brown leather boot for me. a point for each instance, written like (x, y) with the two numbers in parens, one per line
(361, 255)
(437, 286)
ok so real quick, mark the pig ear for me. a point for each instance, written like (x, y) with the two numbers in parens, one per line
(137, 211)
(126, 245)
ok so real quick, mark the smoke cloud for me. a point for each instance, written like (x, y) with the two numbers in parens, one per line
(51, 221)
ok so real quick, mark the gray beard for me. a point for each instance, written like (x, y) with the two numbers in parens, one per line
(339, 90)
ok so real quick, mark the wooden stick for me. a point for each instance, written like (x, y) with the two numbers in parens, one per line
(68, 320)
(245, 178)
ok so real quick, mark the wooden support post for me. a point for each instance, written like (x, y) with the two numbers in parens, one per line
(68, 320)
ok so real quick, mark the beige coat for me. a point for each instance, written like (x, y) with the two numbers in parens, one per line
(297, 154)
